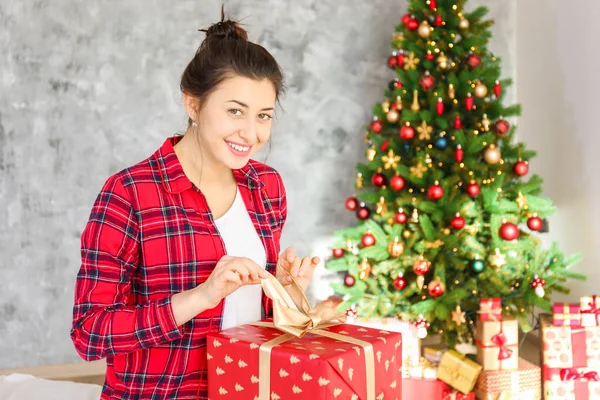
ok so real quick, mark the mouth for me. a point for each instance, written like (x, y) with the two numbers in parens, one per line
(238, 149)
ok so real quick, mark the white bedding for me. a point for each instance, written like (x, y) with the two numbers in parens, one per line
(28, 387)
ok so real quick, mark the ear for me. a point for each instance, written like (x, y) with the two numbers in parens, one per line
(191, 106)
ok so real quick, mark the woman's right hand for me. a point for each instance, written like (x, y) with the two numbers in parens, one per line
(230, 274)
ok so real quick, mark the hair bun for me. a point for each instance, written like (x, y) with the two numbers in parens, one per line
(225, 29)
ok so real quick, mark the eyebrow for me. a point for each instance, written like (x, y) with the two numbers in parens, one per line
(246, 105)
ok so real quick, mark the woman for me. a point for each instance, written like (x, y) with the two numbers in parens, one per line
(175, 245)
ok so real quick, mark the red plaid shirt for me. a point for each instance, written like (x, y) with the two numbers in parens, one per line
(150, 235)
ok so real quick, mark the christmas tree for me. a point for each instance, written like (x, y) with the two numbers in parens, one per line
(447, 214)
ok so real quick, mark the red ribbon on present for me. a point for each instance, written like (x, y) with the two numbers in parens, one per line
(592, 306)
(573, 374)
(500, 340)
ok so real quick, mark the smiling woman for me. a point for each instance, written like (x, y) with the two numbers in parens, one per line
(176, 245)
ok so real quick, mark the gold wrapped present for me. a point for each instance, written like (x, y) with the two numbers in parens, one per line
(458, 371)
(498, 344)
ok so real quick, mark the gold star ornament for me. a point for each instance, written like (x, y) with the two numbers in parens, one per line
(418, 170)
(411, 61)
(424, 131)
(498, 260)
(458, 316)
(390, 160)
(521, 200)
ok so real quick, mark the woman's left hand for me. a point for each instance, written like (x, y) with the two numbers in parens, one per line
(300, 268)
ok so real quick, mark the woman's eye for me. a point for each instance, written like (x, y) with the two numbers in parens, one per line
(234, 111)
(265, 117)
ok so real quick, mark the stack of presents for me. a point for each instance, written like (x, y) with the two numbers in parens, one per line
(381, 359)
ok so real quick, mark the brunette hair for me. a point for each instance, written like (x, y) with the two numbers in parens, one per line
(226, 52)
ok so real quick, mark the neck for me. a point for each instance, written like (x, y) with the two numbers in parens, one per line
(198, 166)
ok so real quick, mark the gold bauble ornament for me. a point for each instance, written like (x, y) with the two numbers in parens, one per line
(480, 90)
(415, 104)
(492, 154)
(396, 248)
(364, 269)
(371, 153)
(463, 23)
(442, 61)
(392, 116)
(451, 92)
(390, 221)
(385, 106)
(447, 231)
(406, 234)
(424, 30)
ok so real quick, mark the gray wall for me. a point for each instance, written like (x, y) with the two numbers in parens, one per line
(89, 88)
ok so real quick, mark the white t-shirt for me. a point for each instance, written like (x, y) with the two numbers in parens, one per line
(241, 240)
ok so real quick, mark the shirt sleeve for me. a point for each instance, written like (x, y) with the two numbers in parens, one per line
(106, 321)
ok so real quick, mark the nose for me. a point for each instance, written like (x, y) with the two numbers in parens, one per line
(249, 131)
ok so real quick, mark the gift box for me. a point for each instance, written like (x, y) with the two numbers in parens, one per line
(434, 353)
(521, 384)
(458, 371)
(490, 309)
(566, 314)
(411, 344)
(570, 361)
(423, 370)
(498, 344)
(590, 310)
(450, 394)
(302, 353)
(415, 388)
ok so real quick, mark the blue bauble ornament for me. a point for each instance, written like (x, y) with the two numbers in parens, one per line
(441, 143)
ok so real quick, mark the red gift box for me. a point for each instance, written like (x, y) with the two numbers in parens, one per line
(571, 361)
(490, 309)
(590, 311)
(450, 394)
(416, 388)
(566, 314)
(302, 353)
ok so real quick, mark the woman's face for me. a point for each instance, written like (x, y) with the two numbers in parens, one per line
(235, 121)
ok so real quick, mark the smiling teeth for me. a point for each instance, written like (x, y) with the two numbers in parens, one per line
(238, 148)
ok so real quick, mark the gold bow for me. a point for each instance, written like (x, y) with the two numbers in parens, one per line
(294, 315)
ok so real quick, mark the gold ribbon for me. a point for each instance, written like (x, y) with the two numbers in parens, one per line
(293, 315)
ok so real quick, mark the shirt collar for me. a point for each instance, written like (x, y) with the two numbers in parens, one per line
(174, 179)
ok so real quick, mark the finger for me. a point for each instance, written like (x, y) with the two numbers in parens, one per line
(304, 266)
(315, 261)
(256, 271)
(231, 276)
(295, 266)
(290, 254)
(243, 270)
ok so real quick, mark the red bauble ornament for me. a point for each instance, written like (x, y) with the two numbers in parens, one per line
(378, 179)
(432, 5)
(363, 213)
(392, 62)
(376, 126)
(412, 24)
(397, 83)
(384, 145)
(457, 122)
(427, 81)
(535, 223)
(351, 203)
(521, 168)
(502, 127)
(509, 231)
(397, 183)
(338, 253)
(469, 102)
(435, 192)
(458, 222)
(459, 153)
(407, 132)
(429, 56)
(368, 240)
(400, 62)
(406, 18)
(438, 21)
(473, 61)
(439, 106)
(497, 89)
(349, 280)
(421, 266)
(436, 288)
(473, 189)
(401, 217)
(400, 283)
